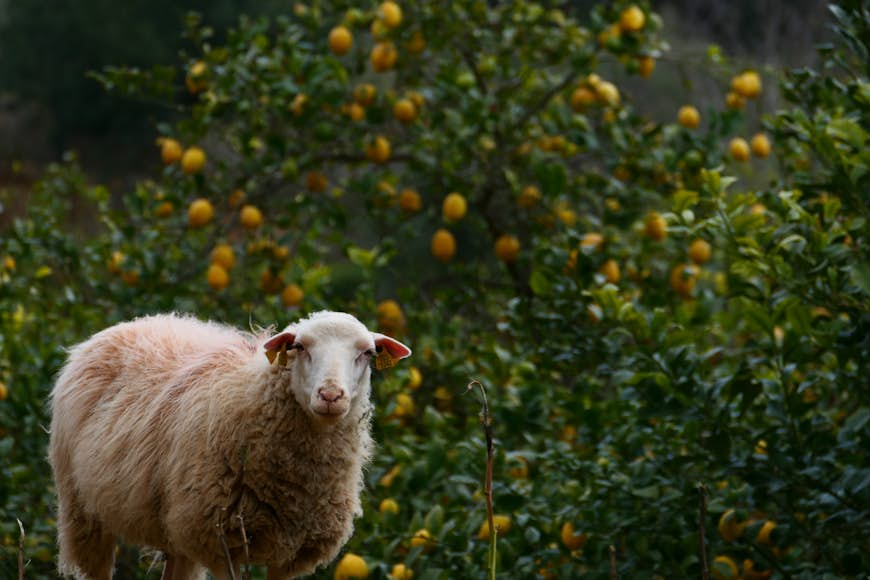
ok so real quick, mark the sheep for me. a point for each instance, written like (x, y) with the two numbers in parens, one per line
(213, 446)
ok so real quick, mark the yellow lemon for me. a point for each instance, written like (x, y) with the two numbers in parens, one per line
(292, 295)
(356, 112)
(409, 201)
(734, 101)
(378, 150)
(507, 248)
(751, 571)
(340, 40)
(193, 160)
(572, 539)
(405, 111)
(747, 84)
(217, 277)
(765, 531)
(390, 315)
(401, 572)
(581, 99)
(632, 19)
(422, 538)
(592, 240)
(529, 196)
(607, 94)
(415, 378)
(389, 505)
(454, 207)
(383, 56)
(404, 405)
(760, 145)
(655, 226)
(351, 566)
(646, 66)
(250, 217)
(443, 245)
(364, 94)
(200, 213)
(689, 117)
(4, 392)
(683, 279)
(730, 526)
(502, 523)
(723, 568)
(390, 476)
(610, 271)
(170, 151)
(699, 251)
(223, 255)
(739, 149)
(390, 14)
(195, 80)
(164, 210)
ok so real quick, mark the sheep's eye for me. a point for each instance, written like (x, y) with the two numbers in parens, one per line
(370, 352)
(297, 346)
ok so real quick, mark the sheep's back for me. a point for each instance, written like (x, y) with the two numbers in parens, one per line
(117, 406)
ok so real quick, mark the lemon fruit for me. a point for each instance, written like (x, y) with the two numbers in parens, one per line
(340, 40)
(217, 277)
(170, 151)
(250, 217)
(200, 213)
(507, 248)
(689, 117)
(193, 160)
(454, 207)
(224, 256)
(292, 295)
(351, 566)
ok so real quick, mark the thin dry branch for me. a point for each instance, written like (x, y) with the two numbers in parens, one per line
(20, 550)
(228, 559)
(490, 447)
(246, 574)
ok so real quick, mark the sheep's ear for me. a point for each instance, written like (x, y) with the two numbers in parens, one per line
(393, 347)
(280, 340)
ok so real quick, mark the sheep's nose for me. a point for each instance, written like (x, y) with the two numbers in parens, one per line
(330, 394)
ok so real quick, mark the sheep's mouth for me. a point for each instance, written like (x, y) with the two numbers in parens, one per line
(331, 411)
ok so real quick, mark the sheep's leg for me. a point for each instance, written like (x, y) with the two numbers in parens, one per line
(84, 544)
(181, 568)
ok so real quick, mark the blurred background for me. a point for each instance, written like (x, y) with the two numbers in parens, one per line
(49, 104)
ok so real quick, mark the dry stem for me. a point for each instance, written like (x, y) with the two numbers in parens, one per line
(487, 430)
(613, 575)
(229, 560)
(20, 550)
(247, 573)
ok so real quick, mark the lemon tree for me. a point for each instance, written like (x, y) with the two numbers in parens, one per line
(654, 307)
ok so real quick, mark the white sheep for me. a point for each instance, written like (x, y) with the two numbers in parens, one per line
(179, 435)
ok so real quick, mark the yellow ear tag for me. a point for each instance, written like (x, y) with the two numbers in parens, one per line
(282, 355)
(385, 360)
(271, 355)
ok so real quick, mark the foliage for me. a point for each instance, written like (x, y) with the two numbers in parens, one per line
(622, 370)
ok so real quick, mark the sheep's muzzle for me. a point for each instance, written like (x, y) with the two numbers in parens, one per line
(330, 401)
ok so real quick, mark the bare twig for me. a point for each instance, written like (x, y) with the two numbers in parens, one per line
(702, 525)
(229, 560)
(20, 550)
(613, 575)
(487, 430)
(247, 573)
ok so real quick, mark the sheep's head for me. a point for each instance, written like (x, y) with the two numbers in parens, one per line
(329, 355)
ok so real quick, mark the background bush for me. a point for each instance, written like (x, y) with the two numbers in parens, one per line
(625, 371)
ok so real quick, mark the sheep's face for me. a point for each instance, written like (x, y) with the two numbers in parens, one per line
(330, 355)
